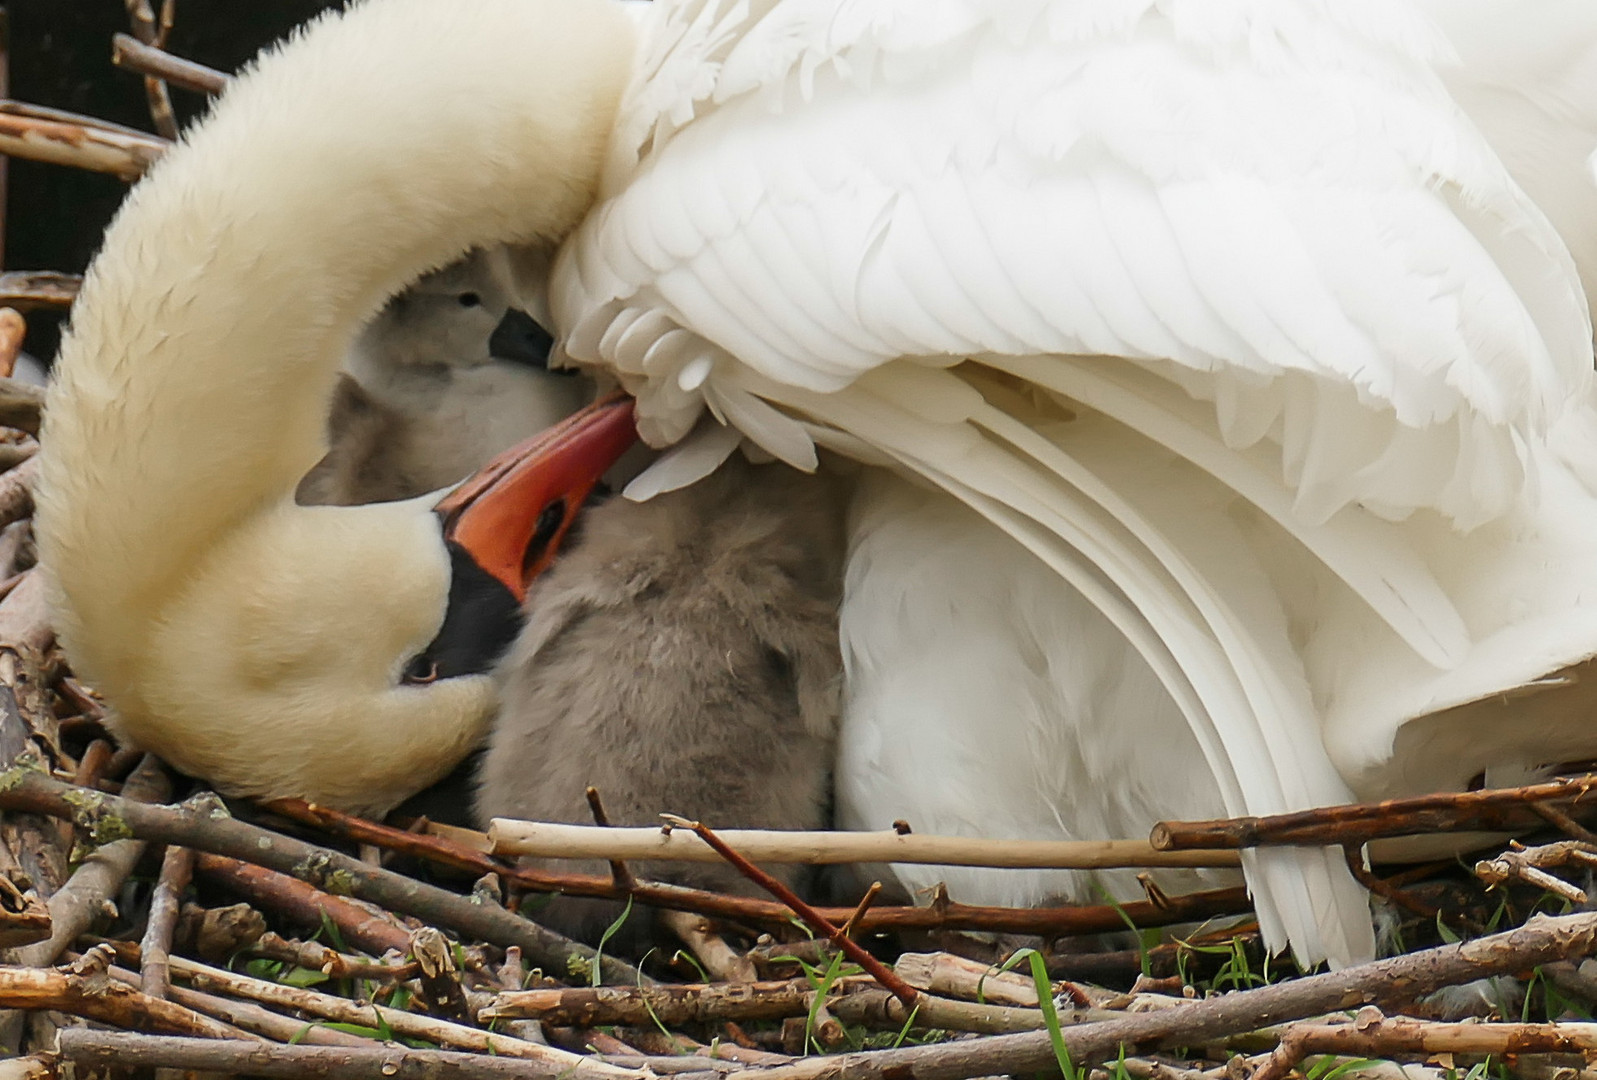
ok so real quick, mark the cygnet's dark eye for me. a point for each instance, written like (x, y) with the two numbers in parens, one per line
(543, 532)
(469, 299)
(421, 670)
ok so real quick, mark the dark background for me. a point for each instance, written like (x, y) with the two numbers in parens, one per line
(60, 53)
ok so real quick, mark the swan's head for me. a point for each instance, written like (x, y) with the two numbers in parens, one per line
(271, 648)
(342, 654)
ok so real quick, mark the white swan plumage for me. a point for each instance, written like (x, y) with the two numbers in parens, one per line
(1222, 332)
(260, 644)
(1227, 317)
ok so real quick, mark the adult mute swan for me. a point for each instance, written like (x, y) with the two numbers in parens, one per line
(1243, 396)
(1218, 332)
(329, 652)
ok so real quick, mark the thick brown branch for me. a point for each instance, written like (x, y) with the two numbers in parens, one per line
(688, 1003)
(1391, 981)
(248, 1017)
(510, 837)
(200, 826)
(954, 976)
(78, 142)
(719, 959)
(20, 405)
(108, 1049)
(97, 997)
(1373, 1036)
(27, 290)
(1503, 809)
(13, 329)
(406, 1024)
(879, 1009)
(304, 904)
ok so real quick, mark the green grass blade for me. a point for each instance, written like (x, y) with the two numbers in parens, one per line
(604, 939)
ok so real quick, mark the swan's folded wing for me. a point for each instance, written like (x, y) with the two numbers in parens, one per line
(1526, 73)
(1262, 238)
(1237, 198)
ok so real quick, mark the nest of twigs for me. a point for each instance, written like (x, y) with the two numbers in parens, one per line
(293, 941)
(146, 933)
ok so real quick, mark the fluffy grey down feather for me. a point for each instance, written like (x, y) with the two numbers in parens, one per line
(681, 657)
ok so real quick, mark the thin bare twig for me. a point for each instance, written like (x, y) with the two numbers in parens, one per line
(153, 32)
(1529, 865)
(131, 54)
(334, 965)
(1354, 856)
(177, 867)
(620, 874)
(1562, 821)
(1495, 810)
(851, 924)
(811, 918)
(24, 918)
(249, 1017)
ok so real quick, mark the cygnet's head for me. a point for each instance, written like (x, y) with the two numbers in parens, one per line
(458, 317)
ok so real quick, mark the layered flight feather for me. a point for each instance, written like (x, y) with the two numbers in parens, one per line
(1225, 316)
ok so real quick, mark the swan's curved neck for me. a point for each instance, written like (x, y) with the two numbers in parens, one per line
(193, 386)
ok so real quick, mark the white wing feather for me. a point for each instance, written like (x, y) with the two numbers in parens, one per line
(1328, 366)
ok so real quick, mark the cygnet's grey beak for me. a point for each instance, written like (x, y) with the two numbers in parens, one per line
(519, 339)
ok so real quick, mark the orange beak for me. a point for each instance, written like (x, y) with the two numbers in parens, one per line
(511, 516)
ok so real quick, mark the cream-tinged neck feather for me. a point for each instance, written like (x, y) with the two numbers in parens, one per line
(231, 629)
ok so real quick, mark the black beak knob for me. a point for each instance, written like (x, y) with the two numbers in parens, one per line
(520, 339)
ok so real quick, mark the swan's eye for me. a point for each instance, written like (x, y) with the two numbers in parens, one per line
(469, 299)
(543, 532)
(421, 670)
